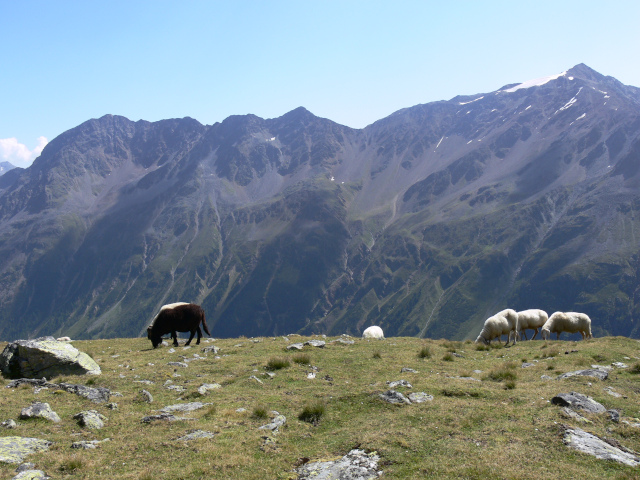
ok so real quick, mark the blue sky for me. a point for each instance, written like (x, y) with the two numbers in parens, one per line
(354, 62)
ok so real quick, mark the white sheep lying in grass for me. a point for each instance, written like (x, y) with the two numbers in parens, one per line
(504, 322)
(570, 322)
(373, 332)
(531, 319)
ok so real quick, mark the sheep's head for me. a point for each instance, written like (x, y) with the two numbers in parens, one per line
(155, 339)
(481, 339)
(546, 333)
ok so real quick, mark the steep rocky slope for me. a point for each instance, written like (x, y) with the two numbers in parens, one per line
(424, 222)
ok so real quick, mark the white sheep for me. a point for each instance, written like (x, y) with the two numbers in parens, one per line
(570, 322)
(63, 339)
(373, 332)
(504, 322)
(532, 319)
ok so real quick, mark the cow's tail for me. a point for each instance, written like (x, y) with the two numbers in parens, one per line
(204, 324)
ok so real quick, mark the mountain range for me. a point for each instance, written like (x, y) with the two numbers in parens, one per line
(425, 222)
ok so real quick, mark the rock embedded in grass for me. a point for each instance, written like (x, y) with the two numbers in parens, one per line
(587, 443)
(578, 400)
(391, 396)
(90, 419)
(39, 410)
(15, 449)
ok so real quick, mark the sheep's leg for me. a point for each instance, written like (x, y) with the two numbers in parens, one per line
(535, 333)
(191, 335)
(524, 332)
(558, 334)
(174, 335)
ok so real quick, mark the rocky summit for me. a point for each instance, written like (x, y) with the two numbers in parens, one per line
(425, 222)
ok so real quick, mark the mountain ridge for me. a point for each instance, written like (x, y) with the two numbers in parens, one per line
(424, 222)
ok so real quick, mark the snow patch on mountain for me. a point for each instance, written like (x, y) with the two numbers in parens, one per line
(537, 82)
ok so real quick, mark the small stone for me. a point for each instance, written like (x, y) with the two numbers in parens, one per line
(206, 387)
(212, 349)
(40, 410)
(295, 346)
(178, 364)
(195, 435)
(420, 397)
(392, 396)
(253, 377)
(620, 365)
(10, 424)
(165, 417)
(316, 343)
(184, 407)
(600, 373)
(276, 423)
(408, 370)
(614, 415)
(567, 412)
(399, 383)
(146, 396)
(527, 365)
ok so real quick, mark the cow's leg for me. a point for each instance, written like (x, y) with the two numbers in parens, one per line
(191, 335)
(174, 335)
(199, 332)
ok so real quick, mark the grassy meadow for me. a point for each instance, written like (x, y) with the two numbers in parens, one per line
(497, 424)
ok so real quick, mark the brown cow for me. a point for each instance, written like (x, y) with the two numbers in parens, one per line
(177, 317)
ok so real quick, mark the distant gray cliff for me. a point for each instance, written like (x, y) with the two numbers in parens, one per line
(425, 222)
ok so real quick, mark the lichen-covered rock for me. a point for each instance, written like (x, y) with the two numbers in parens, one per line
(198, 434)
(585, 442)
(96, 395)
(10, 424)
(90, 419)
(164, 417)
(212, 349)
(315, 343)
(88, 444)
(275, 424)
(420, 397)
(45, 357)
(356, 465)
(15, 449)
(399, 383)
(295, 346)
(147, 397)
(392, 396)
(205, 387)
(31, 475)
(39, 410)
(184, 407)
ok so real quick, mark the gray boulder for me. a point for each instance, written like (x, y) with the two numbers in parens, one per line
(585, 442)
(391, 396)
(276, 423)
(356, 465)
(39, 410)
(420, 397)
(96, 395)
(15, 449)
(184, 407)
(45, 357)
(599, 373)
(90, 419)
(578, 400)
(163, 417)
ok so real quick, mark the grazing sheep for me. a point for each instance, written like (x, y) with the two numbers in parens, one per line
(373, 332)
(504, 322)
(570, 322)
(177, 317)
(531, 319)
